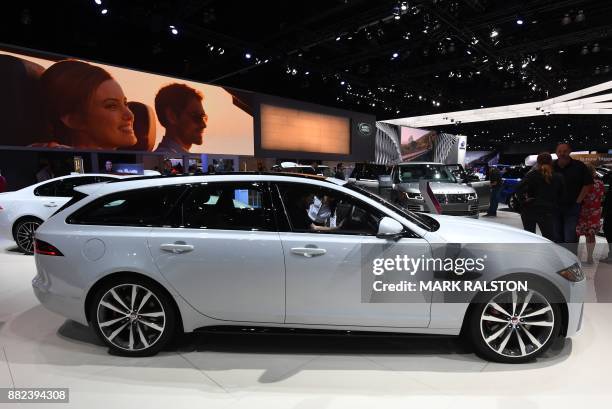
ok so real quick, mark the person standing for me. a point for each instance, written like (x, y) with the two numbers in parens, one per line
(496, 185)
(340, 172)
(589, 221)
(542, 190)
(179, 110)
(578, 180)
(3, 184)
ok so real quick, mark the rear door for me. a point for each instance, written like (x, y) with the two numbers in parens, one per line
(221, 251)
(52, 195)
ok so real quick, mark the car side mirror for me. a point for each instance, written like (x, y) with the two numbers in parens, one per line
(389, 228)
(385, 182)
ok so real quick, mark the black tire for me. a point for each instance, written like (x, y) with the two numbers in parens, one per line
(513, 203)
(23, 233)
(481, 331)
(140, 335)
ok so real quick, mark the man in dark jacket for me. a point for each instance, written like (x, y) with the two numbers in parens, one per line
(578, 179)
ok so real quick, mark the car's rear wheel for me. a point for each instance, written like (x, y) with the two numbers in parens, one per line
(134, 317)
(515, 326)
(23, 233)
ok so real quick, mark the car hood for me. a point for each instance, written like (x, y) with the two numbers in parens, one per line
(436, 187)
(509, 245)
(464, 230)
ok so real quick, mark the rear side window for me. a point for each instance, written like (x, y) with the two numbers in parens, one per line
(65, 187)
(226, 206)
(78, 196)
(139, 207)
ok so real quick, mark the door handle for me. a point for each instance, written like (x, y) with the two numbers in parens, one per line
(51, 204)
(176, 248)
(308, 251)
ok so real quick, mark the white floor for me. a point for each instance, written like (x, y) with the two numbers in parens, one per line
(41, 349)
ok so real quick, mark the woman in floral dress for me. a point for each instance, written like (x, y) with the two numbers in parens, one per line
(589, 221)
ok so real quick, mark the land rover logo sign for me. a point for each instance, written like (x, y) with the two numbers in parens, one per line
(364, 128)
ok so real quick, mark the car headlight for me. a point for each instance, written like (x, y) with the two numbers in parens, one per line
(413, 196)
(572, 273)
(472, 196)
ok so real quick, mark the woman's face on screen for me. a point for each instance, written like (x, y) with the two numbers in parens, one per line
(109, 123)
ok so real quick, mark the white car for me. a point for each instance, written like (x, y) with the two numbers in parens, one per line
(141, 260)
(22, 211)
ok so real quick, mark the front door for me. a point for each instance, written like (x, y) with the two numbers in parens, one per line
(328, 277)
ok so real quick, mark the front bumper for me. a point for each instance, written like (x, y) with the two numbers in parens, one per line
(575, 308)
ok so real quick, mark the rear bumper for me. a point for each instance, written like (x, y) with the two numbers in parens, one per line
(6, 226)
(68, 304)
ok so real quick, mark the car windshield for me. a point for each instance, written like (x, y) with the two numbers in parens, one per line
(431, 172)
(423, 221)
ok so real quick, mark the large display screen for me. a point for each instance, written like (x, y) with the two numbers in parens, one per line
(74, 104)
(416, 144)
(287, 129)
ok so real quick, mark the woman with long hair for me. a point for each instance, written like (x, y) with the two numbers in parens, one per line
(85, 107)
(589, 221)
(541, 192)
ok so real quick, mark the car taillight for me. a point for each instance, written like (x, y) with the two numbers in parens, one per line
(42, 247)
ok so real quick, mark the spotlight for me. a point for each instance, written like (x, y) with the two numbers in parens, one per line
(338, 38)
(547, 67)
(104, 12)
(494, 33)
(342, 82)
(173, 30)
(566, 20)
(519, 22)
(247, 56)
(98, 2)
(395, 55)
(307, 73)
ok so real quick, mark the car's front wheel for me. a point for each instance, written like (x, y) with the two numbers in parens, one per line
(134, 317)
(514, 326)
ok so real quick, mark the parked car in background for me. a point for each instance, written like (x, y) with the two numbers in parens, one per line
(140, 261)
(478, 181)
(367, 175)
(455, 198)
(511, 177)
(293, 167)
(24, 210)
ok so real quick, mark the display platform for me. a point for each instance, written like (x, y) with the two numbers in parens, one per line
(39, 348)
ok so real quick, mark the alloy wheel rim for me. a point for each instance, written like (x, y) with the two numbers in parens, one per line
(517, 323)
(131, 317)
(25, 235)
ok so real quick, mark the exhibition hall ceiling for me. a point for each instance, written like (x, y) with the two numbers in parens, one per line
(390, 58)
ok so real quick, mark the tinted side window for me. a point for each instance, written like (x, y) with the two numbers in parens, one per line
(139, 207)
(312, 208)
(65, 187)
(48, 189)
(228, 206)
